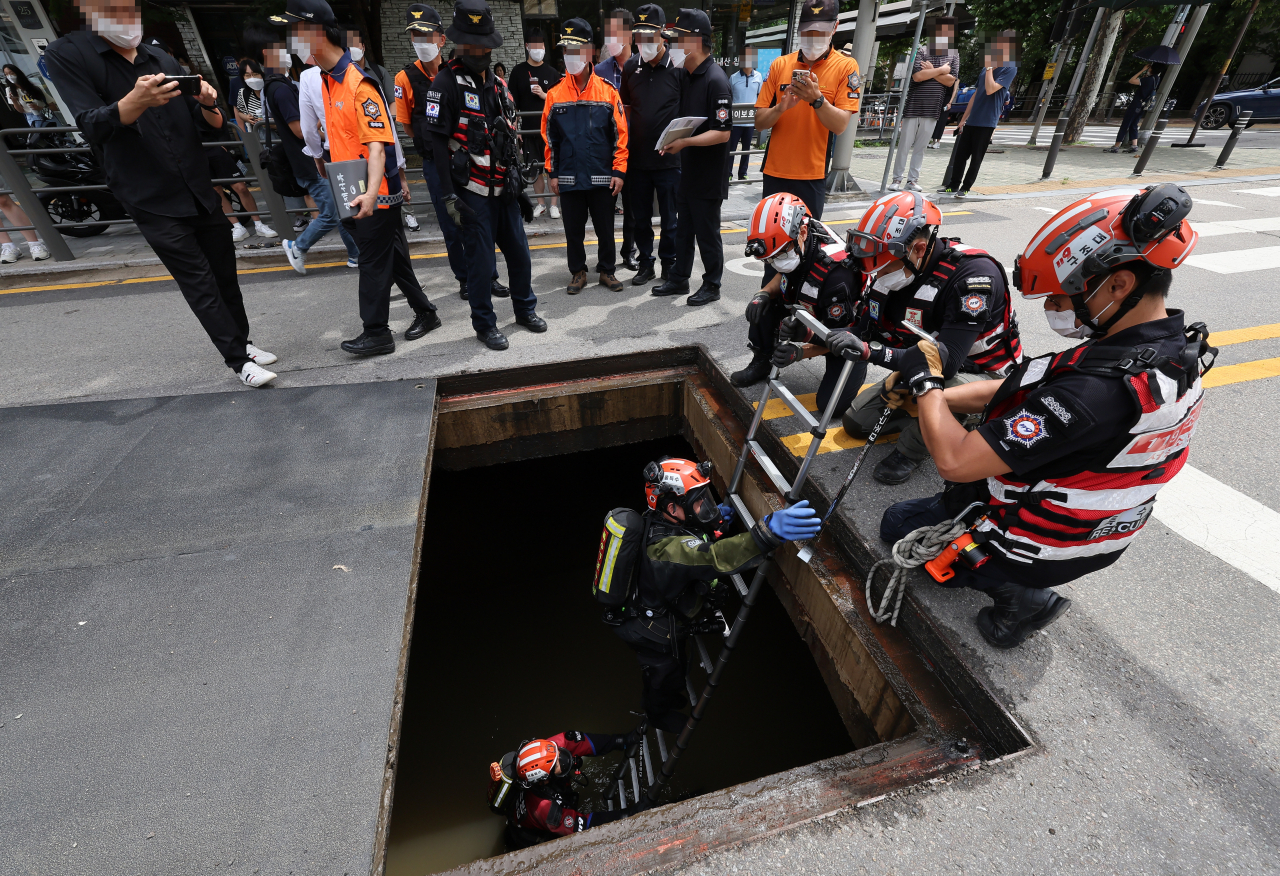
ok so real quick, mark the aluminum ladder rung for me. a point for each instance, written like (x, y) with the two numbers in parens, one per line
(779, 482)
(793, 403)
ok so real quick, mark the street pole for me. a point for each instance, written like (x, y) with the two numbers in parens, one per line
(902, 100)
(864, 37)
(1235, 47)
(1170, 34)
(1061, 128)
(1166, 86)
(1060, 60)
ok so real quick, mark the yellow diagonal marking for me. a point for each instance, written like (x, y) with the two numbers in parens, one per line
(1239, 336)
(776, 407)
(1224, 375)
(837, 439)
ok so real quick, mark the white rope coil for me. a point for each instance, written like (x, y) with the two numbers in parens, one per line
(914, 549)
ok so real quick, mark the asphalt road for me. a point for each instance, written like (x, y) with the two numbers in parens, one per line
(1153, 700)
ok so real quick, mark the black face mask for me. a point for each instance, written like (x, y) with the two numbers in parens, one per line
(477, 64)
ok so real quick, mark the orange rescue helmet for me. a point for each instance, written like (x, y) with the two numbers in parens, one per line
(677, 476)
(888, 226)
(536, 761)
(775, 222)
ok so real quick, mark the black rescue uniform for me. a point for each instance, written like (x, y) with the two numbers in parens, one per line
(651, 94)
(521, 80)
(679, 577)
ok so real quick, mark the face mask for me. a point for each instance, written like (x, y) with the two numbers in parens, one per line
(125, 34)
(357, 53)
(254, 83)
(893, 282)
(612, 47)
(299, 47)
(786, 262)
(11, 77)
(1064, 323)
(814, 47)
(286, 60)
(574, 64)
(649, 51)
(477, 64)
(537, 54)
(678, 56)
(426, 52)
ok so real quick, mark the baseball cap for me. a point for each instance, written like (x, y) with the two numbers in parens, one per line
(650, 17)
(307, 12)
(575, 31)
(692, 21)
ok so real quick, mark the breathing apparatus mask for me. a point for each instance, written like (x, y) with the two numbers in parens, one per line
(700, 509)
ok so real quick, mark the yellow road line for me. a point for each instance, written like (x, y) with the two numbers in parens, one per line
(837, 439)
(1225, 375)
(776, 407)
(1239, 336)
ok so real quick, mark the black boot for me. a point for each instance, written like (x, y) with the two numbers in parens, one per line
(462, 289)
(497, 290)
(1018, 612)
(629, 259)
(895, 468)
(671, 287)
(646, 274)
(757, 370)
(370, 345)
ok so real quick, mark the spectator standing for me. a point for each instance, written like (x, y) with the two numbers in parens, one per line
(500, 71)
(150, 136)
(1148, 80)
(932, 79)
(248, 109)
(617, 52)
(531, 80)
(586, 159)
(9, 252)
(224, 164)
(982, 114)
(703, 157)
(27, 98)
(745, 85)
(651, 95)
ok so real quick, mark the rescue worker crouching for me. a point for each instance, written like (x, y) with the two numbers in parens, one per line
(954, 292)
(536, 787)
(815, 272)
(1073, 446)
(659, 572)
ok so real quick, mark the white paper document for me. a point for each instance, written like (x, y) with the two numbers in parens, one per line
(678, 129)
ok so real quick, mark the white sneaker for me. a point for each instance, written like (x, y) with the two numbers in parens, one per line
(934, 144)
(297, 258)
(539, 210)
(239, 233)
(353, 263)
(266, 230)
(411, 221)
(261, 357)
(912, 187)
(555, 212)
(895, 186)
(39, 251)
(256, 376)
(9, 253)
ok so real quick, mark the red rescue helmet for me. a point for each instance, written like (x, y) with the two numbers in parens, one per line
(888, 226)
(690, 484)
(1098, 234)
(536, 761)
(775, 222)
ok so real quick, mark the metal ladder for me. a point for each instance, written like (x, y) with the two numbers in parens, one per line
(791, 493)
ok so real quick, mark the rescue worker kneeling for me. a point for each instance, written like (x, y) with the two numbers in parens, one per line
(536, 787)
(815, 272)
(658, 573)
(1073, 446)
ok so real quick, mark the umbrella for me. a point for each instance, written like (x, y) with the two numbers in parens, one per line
(1158, 55)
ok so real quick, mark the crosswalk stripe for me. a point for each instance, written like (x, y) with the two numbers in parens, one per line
(1237, 226)
(1238, 261)
(1269, 191)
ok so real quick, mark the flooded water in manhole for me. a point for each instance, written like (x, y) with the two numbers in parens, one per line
(508, 644)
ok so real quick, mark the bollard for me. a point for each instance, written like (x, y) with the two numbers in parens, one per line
(1059, 131)
(1236, 130)
(1152, 142)
(32, 206)
(275, 202)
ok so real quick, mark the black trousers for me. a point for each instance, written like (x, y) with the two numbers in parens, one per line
(575, 206)
(628, 233)
(384, 259)
(740, 138)
(971, 147)
(699, 220)
(941, 128)
(198, 251)
(644, 184)
(814, 194)
(664, 693)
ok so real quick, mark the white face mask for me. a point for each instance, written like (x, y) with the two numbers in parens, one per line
(286, 60)
(574, 64)
(11, 77)
(1064, 323)
(125, 34)
(786, 262)
(678, 56)
(612, 47)
(426, 52)
(537, 54)
(300, 47)
(649, 51)
(893, 282)
(813, 47)
(254, 83)
(357, 53)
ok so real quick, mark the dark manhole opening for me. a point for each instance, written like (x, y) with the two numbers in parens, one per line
(508, 643)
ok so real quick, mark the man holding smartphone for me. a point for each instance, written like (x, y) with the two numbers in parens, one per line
(150, 128)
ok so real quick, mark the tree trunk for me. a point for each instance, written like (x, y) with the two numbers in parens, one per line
(1092, 79)
(1126, 37)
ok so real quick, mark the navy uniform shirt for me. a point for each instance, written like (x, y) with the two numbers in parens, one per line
(651, 94)
(703, 169)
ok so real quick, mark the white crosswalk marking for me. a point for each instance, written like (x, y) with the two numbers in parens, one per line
(1223, 521)
(1213, 203)
(1238, 261)
(1270, 192)
(1237, 226)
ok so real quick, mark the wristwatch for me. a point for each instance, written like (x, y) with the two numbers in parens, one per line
(817, 104)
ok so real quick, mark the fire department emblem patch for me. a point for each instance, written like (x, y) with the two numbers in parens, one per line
(473, 101)
(568, 822)
(722, 114)
(371, 108)
(973, 303)
(1025, 428)
(835, 311)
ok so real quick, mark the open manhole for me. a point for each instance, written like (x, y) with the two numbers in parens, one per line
(819, 709)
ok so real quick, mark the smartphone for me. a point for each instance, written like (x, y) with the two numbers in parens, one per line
(188, 85)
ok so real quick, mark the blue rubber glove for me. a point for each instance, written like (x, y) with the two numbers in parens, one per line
(797, 523)
(726, 511)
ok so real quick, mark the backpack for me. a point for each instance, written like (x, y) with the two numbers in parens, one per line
(621, 542)
(273, 159)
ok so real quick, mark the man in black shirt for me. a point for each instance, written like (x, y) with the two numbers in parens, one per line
(704, 159)
(150, 137)
(530, 82)
(651, 93)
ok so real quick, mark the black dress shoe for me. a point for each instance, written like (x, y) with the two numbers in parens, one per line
(499, 291)
(757, 370)
(705, 295)
(666, 270)
(462, 289)
(1018, 612)
(671, 287)
(629, 260)
(646, 274)
(895, 468)
(426, 321)
(533, 323)
(493, 339)
(371, 345)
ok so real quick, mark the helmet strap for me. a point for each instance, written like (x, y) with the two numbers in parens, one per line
(1097, 330)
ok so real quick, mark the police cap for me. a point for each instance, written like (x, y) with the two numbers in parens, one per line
(306, 12)
(575, 31)
(649, 18)
(422, 18)
(473, 25)
(692, 21)
(819, 10)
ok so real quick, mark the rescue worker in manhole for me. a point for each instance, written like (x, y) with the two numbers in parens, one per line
(956, 293)
(537, 787)
(663, 575)
(1073, 446)
(815, 272)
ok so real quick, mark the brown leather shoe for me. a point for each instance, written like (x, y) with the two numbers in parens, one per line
(612, 283)
(578, 283)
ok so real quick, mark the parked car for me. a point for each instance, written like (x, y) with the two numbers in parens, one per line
(1225, 107)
